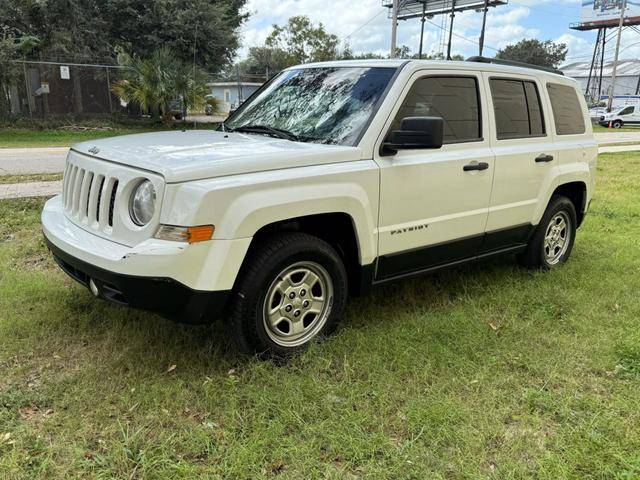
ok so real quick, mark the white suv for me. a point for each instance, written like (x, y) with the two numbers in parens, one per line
(332, 178)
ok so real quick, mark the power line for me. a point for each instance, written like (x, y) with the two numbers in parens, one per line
(363, 25)
(475, 42)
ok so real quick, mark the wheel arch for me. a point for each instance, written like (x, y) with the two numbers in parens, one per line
(577, 193)
(338, 229)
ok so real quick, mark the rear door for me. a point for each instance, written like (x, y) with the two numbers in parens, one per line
(525, 157)
(576, 146)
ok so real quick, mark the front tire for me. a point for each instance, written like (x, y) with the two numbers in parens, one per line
(292, 290)
(552, 242)
(617, 124)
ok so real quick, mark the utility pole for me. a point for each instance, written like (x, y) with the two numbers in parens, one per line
(594, 59)
(604, 46)
(615, 60)
(484, 25)
(453, 15)
(424, 19)
(240, 99)
(394, 29)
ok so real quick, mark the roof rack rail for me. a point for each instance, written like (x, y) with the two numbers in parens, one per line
(513, 63)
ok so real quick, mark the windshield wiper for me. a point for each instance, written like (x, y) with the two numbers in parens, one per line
(276, 132)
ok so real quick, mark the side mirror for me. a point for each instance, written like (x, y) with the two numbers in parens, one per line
(417, 133)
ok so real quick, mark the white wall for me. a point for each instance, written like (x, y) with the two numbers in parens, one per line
(624, 85)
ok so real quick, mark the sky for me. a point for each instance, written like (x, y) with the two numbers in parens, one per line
(364, 25)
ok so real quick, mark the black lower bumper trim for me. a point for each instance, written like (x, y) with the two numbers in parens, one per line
(165, 296)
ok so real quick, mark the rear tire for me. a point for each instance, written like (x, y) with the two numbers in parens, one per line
(292, 290)
(552, 242)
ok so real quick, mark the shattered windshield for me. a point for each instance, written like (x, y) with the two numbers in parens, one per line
(323, 105)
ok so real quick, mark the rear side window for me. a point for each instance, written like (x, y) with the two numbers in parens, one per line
(517, 109)
(454, 99)
(567, 112)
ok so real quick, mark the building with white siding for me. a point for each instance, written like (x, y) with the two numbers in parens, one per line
(628, 76)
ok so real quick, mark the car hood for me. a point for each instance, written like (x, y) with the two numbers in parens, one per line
(197, 154)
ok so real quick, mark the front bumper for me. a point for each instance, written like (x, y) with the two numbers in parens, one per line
(161, 295)
(189, 283)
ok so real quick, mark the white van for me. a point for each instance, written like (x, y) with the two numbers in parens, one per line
(629, 115)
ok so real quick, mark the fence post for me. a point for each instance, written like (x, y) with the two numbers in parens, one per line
(109, 91)
(26, 88)
(78, 107)
(44, 97)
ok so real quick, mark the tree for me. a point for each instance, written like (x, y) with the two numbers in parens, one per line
(303, 42)
(8, 72)
(11, 49)
(94, 30)
(299, 41)
(348, 54)
(208, 27)
(155, 83)
(402, 51)
(438, 56)
(535, 52)
(265, 61)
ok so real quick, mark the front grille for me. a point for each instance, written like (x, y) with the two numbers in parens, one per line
(89, 198)
(95, 197)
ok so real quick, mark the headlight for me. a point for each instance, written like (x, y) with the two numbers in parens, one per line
(143, 203)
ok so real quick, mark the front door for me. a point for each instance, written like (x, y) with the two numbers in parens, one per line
(433, 211)
(629, 115)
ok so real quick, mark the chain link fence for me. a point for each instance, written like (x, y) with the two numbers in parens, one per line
(50, 90)
(43, 91)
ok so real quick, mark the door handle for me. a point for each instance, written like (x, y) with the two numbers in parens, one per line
(544, 159)
(475, 166)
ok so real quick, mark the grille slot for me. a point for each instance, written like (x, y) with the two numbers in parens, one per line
(99, 199)
(89, 198)
(112, 202)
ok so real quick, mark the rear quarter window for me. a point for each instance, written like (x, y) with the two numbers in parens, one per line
(567, 111)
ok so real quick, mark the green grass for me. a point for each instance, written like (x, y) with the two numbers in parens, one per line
(61, 137)
(626, 128)
(487, 371)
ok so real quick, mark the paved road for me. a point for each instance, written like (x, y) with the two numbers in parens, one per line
(32, 189)
(21, 161)
(24, 161)
(613, 138)
(619, 148)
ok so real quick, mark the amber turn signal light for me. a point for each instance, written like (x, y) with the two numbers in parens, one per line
(200, 234)
(185, 234)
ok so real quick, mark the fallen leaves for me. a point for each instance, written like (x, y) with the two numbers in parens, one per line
(5, 438)
(277, 467)
(34, 413)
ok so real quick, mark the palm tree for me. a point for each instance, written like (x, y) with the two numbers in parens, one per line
(190, 83)
(158, 81)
